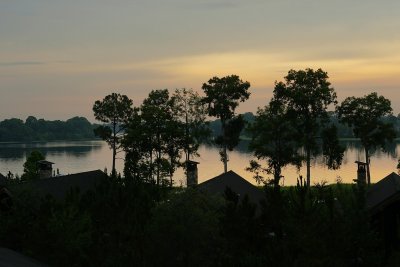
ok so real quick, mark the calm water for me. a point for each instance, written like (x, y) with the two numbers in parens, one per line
(79, 156)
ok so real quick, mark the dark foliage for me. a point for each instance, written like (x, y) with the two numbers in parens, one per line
(222, 97)
(126, 222)
(15, 130)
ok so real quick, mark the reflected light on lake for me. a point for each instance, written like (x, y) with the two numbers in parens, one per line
(80, 156)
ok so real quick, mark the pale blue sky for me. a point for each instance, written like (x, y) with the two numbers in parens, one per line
(58, 57)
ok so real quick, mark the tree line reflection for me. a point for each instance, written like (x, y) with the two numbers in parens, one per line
(18, 151)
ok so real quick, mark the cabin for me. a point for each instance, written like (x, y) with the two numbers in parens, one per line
(59, 186)
(236, 183)
(383, 205)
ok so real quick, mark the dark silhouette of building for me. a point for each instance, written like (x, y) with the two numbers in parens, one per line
(10, 258)
(383, 194)
(236, 183)
(361, 174)
(192, 173)
(383, 205)
(45, 169)
(3, 180)
(59, 186)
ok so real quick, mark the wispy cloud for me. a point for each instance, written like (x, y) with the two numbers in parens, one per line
(21, 63)
(218, 5)
(212, 5)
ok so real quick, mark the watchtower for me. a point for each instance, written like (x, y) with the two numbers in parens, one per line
(192, 173)
(361, 173)
(45, 169)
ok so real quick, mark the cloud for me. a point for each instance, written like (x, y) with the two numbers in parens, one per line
(21, 63)
(213, 5)
(218, 5)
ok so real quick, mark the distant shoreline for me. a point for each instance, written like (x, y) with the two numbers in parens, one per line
(245, 138)
(51, 141)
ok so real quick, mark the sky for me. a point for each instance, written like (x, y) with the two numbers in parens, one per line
(58, 57)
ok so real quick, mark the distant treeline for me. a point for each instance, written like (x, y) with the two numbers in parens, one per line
(78, 128)
(33, 129)
(343, 130)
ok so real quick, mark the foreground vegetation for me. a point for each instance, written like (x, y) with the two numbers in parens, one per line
(127, 222)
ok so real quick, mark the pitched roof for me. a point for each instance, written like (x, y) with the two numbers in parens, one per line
(3, 180)
(383, 193)
(59, 186)
(11, 258)
(236, 183)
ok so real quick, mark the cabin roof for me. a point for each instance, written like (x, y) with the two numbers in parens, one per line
(3, 180)
(236, 183)
(383, 193)
(59, 186)
(45, 162)
(12, 258)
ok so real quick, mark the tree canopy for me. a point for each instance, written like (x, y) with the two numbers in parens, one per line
(115, 110)
(222, 97)
(155, 139)
(366, 117)
(307, 95)
(33, 129)
(274, 140)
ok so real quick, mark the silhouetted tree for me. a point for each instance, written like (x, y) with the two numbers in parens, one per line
(138, 148)
(365, 116)
(115, 110)
(156, 112)
(307, 95)
(273, 140)
(222, 97)
(191, 113)
(155, 139)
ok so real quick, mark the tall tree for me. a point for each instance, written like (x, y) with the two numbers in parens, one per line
(156, 114)
(223, 96)
(138, 147)
(365, 115)
(190, 111)
(273, 140)
(114, 110)
(307, 94)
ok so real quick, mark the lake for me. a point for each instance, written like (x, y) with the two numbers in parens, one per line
(79, 156)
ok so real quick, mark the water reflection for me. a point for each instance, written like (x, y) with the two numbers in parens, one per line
(73, 157)
(16, 151)
(79, 155)
(391, 149)
(352, 146)
(382, 164)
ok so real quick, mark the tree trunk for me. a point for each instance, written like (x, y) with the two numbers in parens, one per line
(113, 172)
(225, 159)
(367, 161)
(277, 177)
(158, 158)
(171, 173)
(186, 144)
(308, 167)
(225, 153)
(151, 177)
(158, 168)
